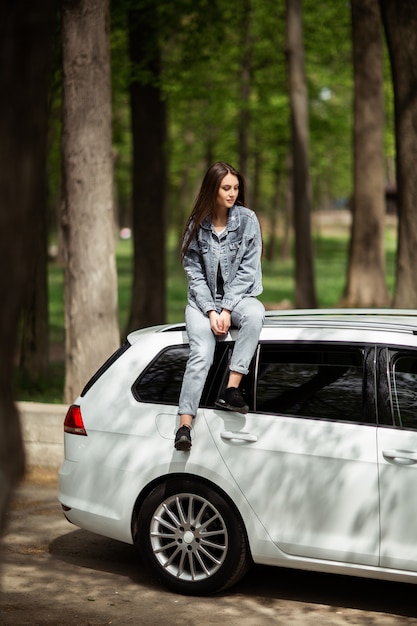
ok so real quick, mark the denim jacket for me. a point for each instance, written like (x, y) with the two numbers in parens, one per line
(237, 250)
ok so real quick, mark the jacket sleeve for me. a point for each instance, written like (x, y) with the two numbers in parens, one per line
(198, 287)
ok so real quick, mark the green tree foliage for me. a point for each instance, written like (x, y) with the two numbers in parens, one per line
(327, 40)
(225, 80)
(203, 47)
(203, 44)
(202, 56)
(205, 95)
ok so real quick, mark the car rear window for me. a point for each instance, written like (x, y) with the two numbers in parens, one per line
(161, 381)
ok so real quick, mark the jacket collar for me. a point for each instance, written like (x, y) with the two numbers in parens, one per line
(233, 219)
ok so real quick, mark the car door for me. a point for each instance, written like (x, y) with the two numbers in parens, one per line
(397, 446)
(305, 455)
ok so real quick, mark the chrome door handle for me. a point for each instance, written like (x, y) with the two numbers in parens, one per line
(238, 436)
(402, 457)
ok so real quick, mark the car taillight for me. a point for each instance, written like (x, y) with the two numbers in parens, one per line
(74, 422)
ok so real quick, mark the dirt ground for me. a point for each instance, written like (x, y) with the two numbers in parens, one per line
(56, 574)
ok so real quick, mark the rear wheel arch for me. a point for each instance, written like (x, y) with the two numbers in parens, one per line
(171, 477)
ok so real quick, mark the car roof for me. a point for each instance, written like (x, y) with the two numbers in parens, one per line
(385, 320)
(398, 320)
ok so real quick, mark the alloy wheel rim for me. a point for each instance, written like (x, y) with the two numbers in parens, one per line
(189, 537)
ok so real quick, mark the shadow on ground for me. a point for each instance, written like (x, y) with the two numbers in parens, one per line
(85, 549)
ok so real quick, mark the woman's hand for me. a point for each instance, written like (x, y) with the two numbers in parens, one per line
(220, 323)
(226, 318)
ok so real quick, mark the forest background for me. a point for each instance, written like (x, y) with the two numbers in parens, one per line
(112, 112)
(192, 83)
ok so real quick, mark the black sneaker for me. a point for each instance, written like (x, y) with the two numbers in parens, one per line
(183, 439)
(232, 400)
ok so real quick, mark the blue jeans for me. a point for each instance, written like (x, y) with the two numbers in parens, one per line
(247, 317)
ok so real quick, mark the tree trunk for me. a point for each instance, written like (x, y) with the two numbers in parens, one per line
(245, 75)
(91, 315)
(288, 211)
(270, 252)
(34, 352)
(256, 191)
(305, 295)
(148, 112)
(366, 285)
(400, 22)
(26, 34)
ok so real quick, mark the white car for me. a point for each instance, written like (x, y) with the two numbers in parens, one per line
(321, 474)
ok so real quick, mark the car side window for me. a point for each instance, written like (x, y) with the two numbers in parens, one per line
(318, 382)
(161, 382)
(404, 390)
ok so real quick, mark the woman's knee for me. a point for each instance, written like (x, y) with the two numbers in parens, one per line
(252, 312)
(258, 312)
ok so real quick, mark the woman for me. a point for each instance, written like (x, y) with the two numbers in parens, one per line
(221, 252)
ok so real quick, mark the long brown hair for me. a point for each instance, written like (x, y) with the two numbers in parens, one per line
(206, 199)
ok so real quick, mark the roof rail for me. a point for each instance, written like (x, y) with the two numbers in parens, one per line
(318, 312)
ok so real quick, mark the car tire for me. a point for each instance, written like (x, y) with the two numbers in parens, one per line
(192, 537)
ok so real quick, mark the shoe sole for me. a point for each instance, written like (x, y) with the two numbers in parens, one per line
(183, 444)
(228, 407)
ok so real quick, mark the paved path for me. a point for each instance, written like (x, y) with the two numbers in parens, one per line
(55, 574)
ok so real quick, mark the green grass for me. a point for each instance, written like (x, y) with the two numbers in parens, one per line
(330, 259)
(124, 262)
(330, 271)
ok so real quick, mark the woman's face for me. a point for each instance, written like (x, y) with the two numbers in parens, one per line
(228, 192)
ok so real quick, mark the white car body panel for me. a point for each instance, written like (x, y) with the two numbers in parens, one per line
(313, 494)
(121, 473)
(312, 483)
(398, 485)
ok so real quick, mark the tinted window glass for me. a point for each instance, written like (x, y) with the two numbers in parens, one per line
(404, 391)
(161, 381)
(318, 383)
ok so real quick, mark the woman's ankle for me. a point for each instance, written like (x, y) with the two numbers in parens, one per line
(186, 420)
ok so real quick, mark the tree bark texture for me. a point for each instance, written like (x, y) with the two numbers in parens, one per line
(26, 35)
(305, 294)
(148, 110)
(91, 313)
(400, 23)
(366, 285)
(34, 350)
